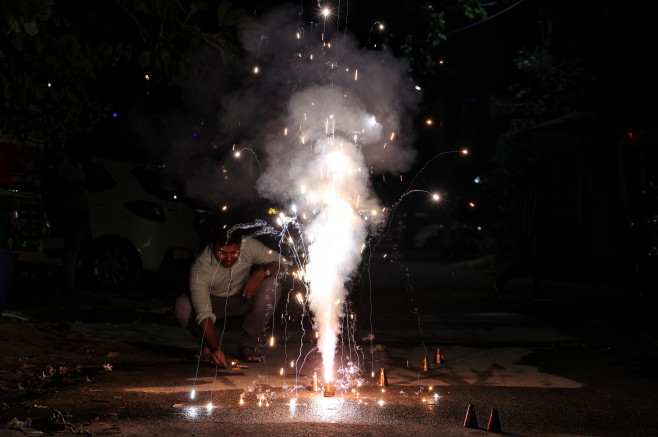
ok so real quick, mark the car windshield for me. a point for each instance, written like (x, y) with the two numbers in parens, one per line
(98, 179)
(157, 183)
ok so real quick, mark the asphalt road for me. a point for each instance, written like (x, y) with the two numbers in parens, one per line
(572, 360)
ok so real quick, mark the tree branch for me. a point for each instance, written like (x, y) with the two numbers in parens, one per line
(143, 33)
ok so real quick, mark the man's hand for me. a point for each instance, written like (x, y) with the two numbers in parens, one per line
(211, 344)
(253, 283)
(218, 357)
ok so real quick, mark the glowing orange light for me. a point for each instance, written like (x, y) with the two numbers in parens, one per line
(329, 389)
(314, 382)
(429, 122)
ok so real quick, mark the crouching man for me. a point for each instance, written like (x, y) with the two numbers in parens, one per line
(234, 275)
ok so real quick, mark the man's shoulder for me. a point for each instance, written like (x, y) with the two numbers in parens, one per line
(203, 257)
(254, 245)
(249, 241)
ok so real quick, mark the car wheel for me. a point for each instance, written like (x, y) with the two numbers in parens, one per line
(115, 266)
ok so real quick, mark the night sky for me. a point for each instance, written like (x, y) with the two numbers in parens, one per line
(469, 97)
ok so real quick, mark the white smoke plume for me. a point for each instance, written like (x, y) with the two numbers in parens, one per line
(324, 116)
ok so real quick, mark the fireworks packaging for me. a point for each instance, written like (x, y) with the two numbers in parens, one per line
(314, 382)
(439, 357)
(494, 422)
(329, 389)
(383, 382)
(471, 420)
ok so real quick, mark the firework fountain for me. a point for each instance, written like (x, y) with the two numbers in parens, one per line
(322, 117)
(344, 120)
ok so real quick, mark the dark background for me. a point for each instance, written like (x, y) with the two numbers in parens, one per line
(554, 101)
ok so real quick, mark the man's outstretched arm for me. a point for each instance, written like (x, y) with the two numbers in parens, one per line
(210, 339)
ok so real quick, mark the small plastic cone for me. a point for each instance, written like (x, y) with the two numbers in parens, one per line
(314, 382)
(439, 357)
(426, 366)
(471, 421)
(383, 382)
(329, 389)
(494, 422)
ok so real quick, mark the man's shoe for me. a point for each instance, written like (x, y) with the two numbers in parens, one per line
(249, 355)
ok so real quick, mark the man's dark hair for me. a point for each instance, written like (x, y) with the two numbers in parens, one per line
(219, 228)
(224, 235)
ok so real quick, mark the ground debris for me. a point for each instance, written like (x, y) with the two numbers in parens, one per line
(59, 422)
(24, 426)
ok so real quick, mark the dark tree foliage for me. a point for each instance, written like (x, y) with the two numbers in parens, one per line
(419, 30)
(61, 61)
(23, 15)
(53, 53)
(547, 89)
(47, 65)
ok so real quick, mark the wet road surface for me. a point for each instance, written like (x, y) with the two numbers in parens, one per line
(569, 362)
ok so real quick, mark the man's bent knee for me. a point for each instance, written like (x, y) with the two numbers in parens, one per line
(183, 310)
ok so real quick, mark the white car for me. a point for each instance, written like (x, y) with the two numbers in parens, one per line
(135, 223)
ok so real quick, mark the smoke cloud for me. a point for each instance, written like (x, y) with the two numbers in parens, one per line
(323, 116)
